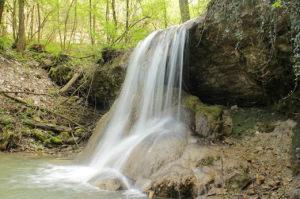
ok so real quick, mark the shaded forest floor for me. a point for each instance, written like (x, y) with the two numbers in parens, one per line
(34, 116)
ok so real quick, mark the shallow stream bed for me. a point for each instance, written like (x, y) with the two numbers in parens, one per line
(25, 176)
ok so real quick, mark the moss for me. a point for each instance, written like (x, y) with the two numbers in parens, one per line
(39, 135)
(191, 102)
(54, 141)
(51, 133)
(79, 132)
(212, 113)
(64, 136)
(61, 74)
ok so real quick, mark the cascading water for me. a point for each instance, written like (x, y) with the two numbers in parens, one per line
(148, 108)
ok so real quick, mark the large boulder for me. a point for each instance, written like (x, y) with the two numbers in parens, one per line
(241, 53)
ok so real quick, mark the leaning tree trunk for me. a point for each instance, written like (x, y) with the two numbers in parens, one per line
(21, 44)
(2, 2)
(184, 10)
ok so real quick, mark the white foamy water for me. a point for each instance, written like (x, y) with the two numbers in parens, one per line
(28, 177)
(149, 103)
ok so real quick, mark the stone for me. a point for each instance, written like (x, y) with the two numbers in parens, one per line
(260, 179)
(238, 181)
(234, 108)
(227, 124)
(111, 185)
(203, 127)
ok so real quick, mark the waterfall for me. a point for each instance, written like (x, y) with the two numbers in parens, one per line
(148, 107)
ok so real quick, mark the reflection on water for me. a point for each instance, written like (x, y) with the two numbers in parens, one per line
(31, 177)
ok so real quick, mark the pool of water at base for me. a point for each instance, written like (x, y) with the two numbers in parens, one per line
(25, 176)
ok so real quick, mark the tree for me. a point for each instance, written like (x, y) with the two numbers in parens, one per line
(91, 25)
(184, 10)
(2, 3)
(21, 43)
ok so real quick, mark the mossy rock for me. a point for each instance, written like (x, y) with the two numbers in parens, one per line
(39, 135)
(208, 118)
(53, 141)
(64, 136)
(191, 102)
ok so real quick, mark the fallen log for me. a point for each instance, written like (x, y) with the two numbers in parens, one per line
(49, 127)
(70, 83)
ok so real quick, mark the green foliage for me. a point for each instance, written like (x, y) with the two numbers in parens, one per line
(5, 44)
(277, 4)
(66, 24)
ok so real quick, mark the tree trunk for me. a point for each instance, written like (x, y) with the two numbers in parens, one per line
(91, 24)
(127, 20)
(94, 24)
(165, 14)
(184, 10)
(14, 20)
(127, 14)
(2, 2)
(107, 20)
(39, 22)
(66, 25)
(30, 34)
(21, 44)
(74, 26)
(114, 13)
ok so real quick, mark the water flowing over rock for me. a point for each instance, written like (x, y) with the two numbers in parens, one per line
(143, 133)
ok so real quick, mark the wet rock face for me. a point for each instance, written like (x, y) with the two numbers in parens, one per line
(236, 58)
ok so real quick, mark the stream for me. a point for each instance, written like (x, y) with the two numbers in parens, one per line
(27, 176)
